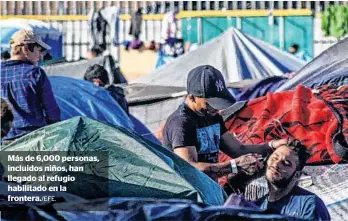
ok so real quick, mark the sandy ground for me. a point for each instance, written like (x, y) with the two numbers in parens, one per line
(135, 64)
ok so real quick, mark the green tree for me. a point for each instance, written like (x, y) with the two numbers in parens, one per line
(334, 21)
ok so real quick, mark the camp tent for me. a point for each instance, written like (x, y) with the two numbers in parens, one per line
(330, 67)
(79, 68)
(51, 36)
(136, 166)
(241, 59)
(86, 99)
(237, 55)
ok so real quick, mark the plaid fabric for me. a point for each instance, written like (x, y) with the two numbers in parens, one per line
(27, 89)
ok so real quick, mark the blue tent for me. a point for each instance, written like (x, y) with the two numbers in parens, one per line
(82, 98)
(49, 35)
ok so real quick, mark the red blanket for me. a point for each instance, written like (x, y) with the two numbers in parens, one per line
(318, 118)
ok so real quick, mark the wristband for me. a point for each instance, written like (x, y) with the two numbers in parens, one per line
(234, 166)
(271, 144)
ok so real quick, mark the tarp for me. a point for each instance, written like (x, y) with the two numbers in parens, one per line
(134, 209)
(77, 69)
(261, 88)
(330, 67)
(147, 209)
(86, 99)
(82, 98)
(51, 36)
(137, 167)
(237, 55)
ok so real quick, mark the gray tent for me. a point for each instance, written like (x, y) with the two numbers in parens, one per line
(237, 55)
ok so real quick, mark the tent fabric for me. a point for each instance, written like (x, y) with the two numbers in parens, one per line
(51, 36)
(86, 99)
(261, 88)
(137, 167)
(77, 69)
(140, 93)
(147, 209)
(317, 118)
(235, 54)
(129, 208)
(153, 114)
(330, 67)
(74, 69)
(142, 130)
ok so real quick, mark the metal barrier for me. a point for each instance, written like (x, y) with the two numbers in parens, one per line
(70, 16)
(153, 7)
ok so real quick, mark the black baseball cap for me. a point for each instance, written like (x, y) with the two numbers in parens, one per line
(207, 82)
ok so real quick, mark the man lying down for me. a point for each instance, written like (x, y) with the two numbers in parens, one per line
(283, 169)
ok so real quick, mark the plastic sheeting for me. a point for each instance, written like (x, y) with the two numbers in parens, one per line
(77, 69)
(146, 209)
(235, 54)
(330, 67)
(49, 35)
(137, 167)
(134, 209)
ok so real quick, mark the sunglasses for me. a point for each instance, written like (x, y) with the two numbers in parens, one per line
(43, 51)
(31, 47)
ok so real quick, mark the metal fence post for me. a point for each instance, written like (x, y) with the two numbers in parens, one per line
(199, 31)
(239, 23)
(281, 32)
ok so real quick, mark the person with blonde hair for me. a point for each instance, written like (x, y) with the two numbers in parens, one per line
(26, 86)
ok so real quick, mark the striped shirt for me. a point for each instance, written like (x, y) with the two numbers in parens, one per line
(27, 89)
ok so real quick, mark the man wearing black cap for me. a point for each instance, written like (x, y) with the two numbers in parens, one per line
(196, 132)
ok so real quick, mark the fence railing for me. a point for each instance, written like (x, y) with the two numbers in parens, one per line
(152, 7)
(71, 16)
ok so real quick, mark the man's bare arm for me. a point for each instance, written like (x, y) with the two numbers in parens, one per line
(231, 146)
(247, 163)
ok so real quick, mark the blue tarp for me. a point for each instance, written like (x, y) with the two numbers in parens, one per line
(49, 35)
(261, 88)
(147, 209)
(82, 98)
(136, 209)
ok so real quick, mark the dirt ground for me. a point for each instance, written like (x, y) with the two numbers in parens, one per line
(135, 64)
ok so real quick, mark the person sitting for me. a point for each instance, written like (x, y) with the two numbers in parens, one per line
(99, 77)
(294, 50)
(283, 169)
(26, 87)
